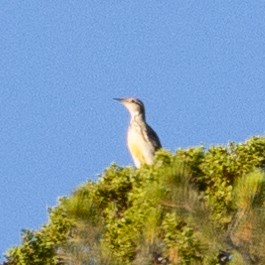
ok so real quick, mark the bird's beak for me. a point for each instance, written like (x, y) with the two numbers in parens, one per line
(119, 99)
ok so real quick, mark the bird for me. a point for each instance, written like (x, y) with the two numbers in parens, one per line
(142, 140)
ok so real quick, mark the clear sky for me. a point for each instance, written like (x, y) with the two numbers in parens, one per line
(199, 67)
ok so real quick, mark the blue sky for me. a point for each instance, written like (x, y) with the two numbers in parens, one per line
(199, 67)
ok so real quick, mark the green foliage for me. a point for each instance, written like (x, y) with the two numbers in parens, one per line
(193, 158)
(221, 166)
(180, 243)
(181, 210)
(40, 247)
(249, 221)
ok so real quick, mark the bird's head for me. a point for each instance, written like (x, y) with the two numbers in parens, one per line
(133, 105)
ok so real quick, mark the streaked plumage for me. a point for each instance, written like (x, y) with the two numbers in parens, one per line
(142, 140)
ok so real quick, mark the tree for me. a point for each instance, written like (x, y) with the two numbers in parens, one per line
(187, 208)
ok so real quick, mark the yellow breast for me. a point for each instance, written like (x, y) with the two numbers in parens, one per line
(137, 153)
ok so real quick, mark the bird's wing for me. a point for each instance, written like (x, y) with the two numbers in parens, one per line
(151, 135)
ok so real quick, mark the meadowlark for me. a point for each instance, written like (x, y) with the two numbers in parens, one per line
(142, 140)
